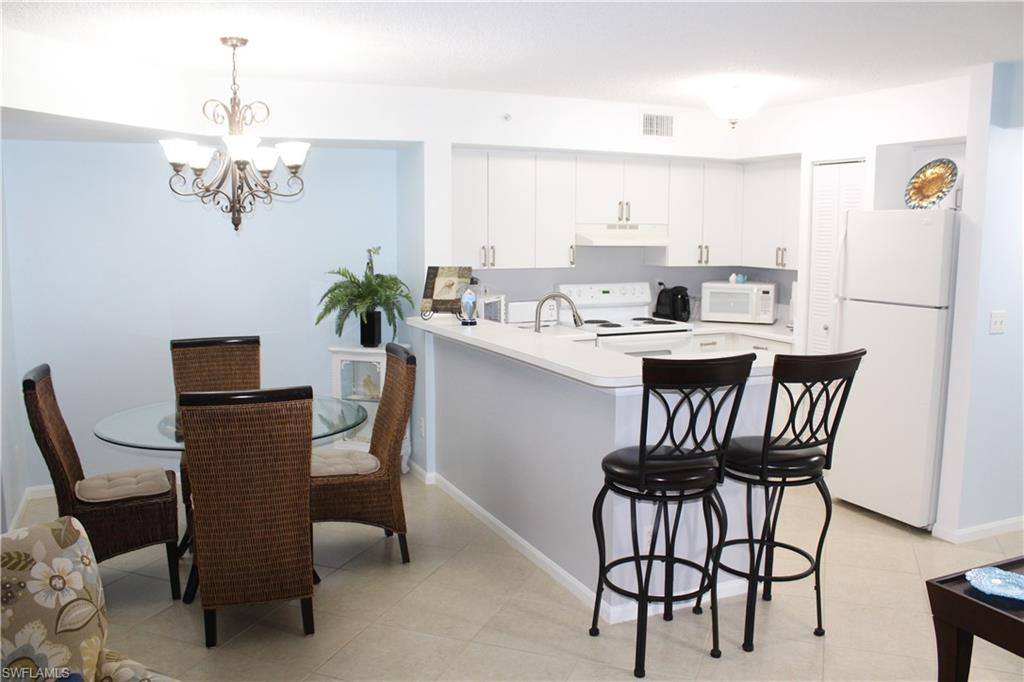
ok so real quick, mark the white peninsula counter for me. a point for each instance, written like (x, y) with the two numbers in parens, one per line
(519, 422)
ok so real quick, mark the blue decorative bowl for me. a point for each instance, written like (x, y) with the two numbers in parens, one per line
(996, 581)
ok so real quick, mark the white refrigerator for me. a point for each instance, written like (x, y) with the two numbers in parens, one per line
(895, 283)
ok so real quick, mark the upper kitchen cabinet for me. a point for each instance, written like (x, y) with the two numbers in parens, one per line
(469, 208)
(685, 216)
(622, 190)
(511, 209)
(723, 213)
(771, 213)
(555, 232)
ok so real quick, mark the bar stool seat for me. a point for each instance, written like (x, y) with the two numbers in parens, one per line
(691, 472)
(743, 457)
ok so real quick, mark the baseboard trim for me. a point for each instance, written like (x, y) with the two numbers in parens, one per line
(984, 530)
(419, 472)
(32, 492)
(618, 613)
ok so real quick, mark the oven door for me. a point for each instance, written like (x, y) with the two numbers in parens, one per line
(662, 344)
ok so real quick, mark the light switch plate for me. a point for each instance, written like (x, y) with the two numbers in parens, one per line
(997, 322)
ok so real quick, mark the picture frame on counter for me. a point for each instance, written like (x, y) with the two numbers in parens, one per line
(443, 287)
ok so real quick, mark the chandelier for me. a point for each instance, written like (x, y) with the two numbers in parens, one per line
(243, 168)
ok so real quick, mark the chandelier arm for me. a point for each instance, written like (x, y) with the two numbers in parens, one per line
(254, 112)
(216, 111)
(293, 181)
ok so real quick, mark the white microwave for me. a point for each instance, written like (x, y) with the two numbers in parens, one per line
(750, 302)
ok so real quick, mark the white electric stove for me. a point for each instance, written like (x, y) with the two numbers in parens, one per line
(620, 315)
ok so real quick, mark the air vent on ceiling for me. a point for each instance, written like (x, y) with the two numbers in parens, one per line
(658, 124)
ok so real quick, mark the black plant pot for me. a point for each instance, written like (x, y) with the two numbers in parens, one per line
(369, 329)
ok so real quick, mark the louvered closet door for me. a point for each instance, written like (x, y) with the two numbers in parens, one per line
(836, 189)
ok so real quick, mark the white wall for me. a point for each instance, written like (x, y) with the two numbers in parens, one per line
(101, 276)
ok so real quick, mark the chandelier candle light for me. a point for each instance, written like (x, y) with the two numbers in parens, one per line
(242, 162)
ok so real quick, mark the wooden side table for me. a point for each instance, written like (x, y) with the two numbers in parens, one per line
(960, 612)
(358, 373)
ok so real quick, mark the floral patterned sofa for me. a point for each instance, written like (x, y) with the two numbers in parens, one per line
(54, 623)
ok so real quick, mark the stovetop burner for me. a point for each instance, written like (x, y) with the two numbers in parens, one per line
(643, 319)
(652, 321)
(595, 321)
(609, 325)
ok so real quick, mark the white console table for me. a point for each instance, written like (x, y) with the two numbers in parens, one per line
(358, 373)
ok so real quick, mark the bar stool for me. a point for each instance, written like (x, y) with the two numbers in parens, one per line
(684, 463)
(806, 403)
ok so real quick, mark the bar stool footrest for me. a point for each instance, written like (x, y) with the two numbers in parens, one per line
(705, 578)
(774, 545)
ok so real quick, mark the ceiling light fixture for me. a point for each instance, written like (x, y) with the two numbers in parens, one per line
(238, 158)
(736, 96)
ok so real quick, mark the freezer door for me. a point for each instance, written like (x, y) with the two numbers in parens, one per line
(888, 450)
(899, 257)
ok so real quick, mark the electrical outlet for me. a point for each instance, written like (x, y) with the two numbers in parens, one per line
(422, 424)
(997, 322)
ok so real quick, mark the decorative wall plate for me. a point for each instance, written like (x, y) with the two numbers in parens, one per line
(443, 289)
(930, 184)
(993, 580)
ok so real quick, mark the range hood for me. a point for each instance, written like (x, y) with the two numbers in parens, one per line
(622, 234)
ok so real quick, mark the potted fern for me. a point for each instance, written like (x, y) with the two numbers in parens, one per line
(367, 296)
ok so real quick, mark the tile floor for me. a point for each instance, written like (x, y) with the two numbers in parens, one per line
(469, 607)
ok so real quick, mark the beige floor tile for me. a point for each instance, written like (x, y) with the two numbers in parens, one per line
(979, 674)
(867, 550)
(852, 665)
(184, 622)
(317, 677)
(134, 561)
(1012, 544)
(786, 617)
(777, 661)
(879, 630)
(335, 544)
(588, 671)
(365, 593)
(938, 557)
(987, 655)
(891, 589)
(228, 667)
(135, 598)
(279, 637)
(440, 611)
(477, 569)
(162, 654)
(561, 631)
(386, 557)
(382, 653)
(484, 662)
(542, 587)
(990, 544)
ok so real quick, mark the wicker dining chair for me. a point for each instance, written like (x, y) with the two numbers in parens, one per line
(122, 510)
(249, 459)
(218, 363)
(361, 487)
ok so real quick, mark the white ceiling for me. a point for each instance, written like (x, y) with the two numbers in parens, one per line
(621, 51)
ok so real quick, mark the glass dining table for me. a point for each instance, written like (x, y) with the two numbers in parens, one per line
(152, 427)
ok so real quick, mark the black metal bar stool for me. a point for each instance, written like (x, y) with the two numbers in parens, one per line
(807, 398)
(685, 463)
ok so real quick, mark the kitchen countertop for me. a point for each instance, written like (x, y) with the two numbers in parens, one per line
(770, 332)
(563, 350)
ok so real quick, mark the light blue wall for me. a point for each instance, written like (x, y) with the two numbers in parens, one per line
(104, 266)
(994, 461)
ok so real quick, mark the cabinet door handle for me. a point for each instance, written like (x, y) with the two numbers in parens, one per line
(783, 256)
(778, 257)
(700, 254)
(620, 211)
(483, 256)
(627, 211)
(572, 254)
(760, 347)
(492, 256)
(705, 344)
(707, 254)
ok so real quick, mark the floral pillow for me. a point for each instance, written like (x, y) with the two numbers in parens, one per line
(54, 620)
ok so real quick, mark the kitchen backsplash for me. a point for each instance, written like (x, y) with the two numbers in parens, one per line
(621, 264)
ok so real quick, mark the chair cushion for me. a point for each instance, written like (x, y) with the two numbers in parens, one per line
(332, 462)
(744, 457)
(121, 485)
(683, 472)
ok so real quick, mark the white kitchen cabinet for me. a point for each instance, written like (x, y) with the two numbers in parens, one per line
(685, 216)
(556, 211)
(469, 208)
(616, 190)
(511, 209)
(713, 343)
(771, 215)
(723, 213)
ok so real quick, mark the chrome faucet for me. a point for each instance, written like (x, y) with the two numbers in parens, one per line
(576, 319)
